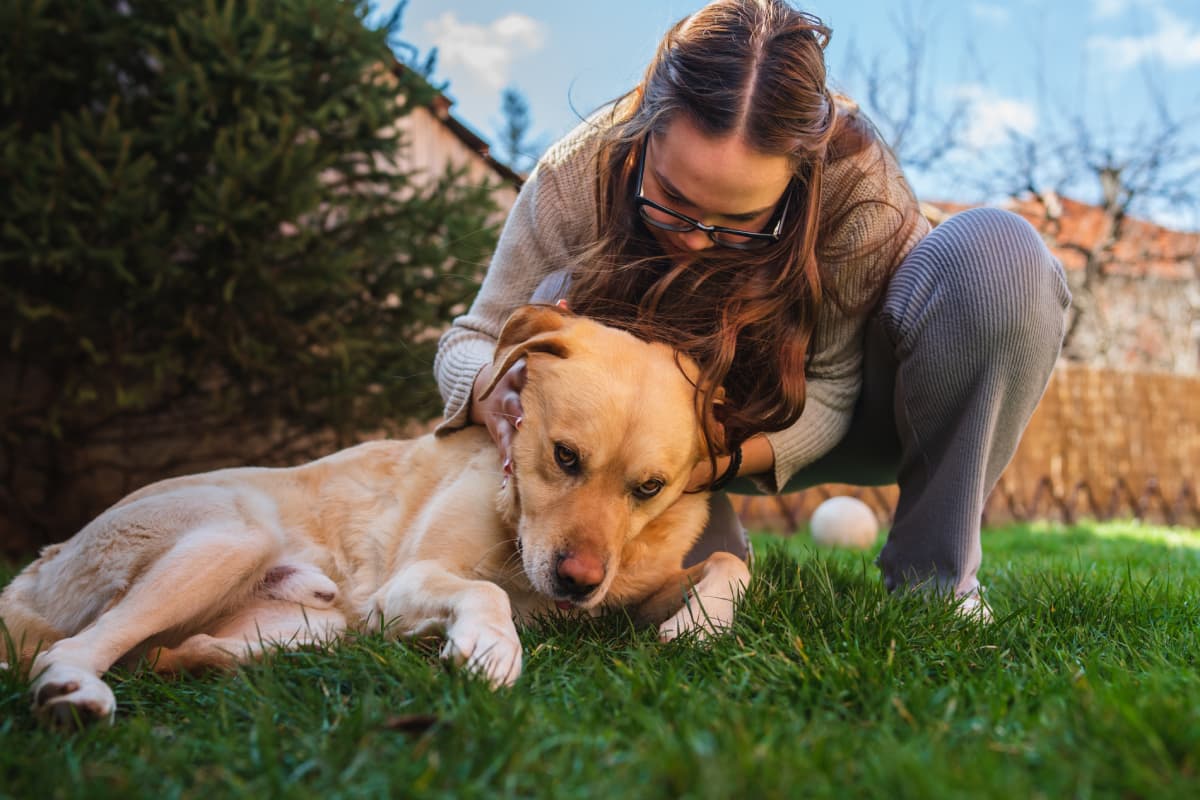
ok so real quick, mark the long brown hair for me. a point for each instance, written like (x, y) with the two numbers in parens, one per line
(753, 68)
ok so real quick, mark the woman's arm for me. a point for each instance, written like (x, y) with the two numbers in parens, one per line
(552, 216)
(757, 457)
(529, 248)
(878, 221)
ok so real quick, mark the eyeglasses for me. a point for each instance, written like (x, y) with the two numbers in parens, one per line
(669, 220)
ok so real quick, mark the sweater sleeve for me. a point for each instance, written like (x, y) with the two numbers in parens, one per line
(547, 221)
(876, 221)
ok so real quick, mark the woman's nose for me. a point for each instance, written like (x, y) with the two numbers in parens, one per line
(696, 239)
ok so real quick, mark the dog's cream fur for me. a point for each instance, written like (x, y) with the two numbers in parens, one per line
(414, 536)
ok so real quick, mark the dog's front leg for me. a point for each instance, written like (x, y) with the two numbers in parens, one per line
(475, 616)
(700, 599)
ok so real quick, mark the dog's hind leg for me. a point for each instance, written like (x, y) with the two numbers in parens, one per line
(208, 570)
(263, 625)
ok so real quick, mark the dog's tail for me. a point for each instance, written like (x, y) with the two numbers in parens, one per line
(23, 631)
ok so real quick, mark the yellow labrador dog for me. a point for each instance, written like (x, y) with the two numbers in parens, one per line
(417, 536)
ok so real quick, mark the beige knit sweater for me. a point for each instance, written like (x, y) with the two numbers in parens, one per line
(555, 215)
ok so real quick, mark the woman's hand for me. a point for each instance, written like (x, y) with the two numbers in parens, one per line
(757, 456)
(703, 475)
(501, 411)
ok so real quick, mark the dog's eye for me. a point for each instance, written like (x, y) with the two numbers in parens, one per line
(646, 490)
(567, 458)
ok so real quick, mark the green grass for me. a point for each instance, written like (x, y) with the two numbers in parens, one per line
(1085, 686)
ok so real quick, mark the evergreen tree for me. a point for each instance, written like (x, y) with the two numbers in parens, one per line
(207, 232)
(520, 152)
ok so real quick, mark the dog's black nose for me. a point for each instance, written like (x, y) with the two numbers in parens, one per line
(578, 574)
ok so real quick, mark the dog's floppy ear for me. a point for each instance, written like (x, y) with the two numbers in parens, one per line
(529, 329)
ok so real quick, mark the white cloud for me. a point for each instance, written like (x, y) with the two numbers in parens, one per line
(1172, 216)
(991, 118)
(1107, 9)
(1103, 9)
(1176, 43)
(484, 52)
(990, 13)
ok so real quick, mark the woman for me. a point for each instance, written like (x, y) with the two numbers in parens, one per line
(731, 205)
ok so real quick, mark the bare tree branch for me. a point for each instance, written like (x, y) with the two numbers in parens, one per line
(921, 123)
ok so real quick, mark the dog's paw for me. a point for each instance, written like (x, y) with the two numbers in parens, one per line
(490, 650)
(711, 617)
(710, 604)
(67, 697)
(299, 583)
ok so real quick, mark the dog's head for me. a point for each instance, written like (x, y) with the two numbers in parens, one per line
(610, 437)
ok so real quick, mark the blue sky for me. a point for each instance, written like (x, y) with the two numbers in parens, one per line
(1021, 65)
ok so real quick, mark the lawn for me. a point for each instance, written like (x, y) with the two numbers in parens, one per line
(1086, 685)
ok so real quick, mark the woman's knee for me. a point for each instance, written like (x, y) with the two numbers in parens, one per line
(987, 274)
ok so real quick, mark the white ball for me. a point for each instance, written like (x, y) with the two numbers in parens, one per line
(844, 522)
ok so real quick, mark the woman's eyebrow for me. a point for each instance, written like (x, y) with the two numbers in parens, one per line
(672, 189)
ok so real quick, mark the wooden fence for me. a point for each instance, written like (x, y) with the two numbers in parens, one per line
(1102, 444)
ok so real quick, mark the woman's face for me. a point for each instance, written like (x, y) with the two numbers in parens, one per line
(718, 181)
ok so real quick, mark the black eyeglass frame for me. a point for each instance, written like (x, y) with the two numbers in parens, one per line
(757, 239)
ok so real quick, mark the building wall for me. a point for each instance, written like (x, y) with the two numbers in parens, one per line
(432, 147)
(1145, 324)
(1142, 309)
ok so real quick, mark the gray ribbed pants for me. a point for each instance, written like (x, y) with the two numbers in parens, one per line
(956, 359)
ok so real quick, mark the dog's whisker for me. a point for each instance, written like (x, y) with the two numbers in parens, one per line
(512, 567)
(478, 566)
(514, 564)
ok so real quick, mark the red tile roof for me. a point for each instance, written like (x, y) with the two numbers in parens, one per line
(1144, 248)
